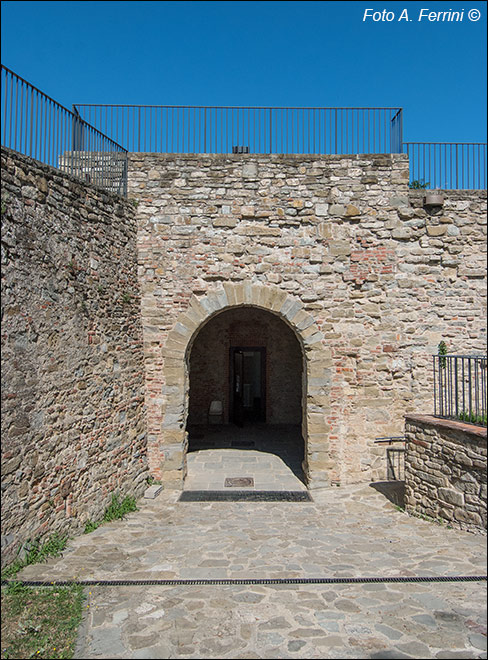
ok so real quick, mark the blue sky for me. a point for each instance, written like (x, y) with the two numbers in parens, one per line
(258, 53)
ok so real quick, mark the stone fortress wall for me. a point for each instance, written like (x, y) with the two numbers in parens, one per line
(73, 420)
(103, 299)
(374, 276)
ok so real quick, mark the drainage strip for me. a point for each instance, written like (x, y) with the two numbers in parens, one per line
(250, 581)
(245, 495)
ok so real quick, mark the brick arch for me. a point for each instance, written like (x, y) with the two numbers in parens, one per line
(171, 447)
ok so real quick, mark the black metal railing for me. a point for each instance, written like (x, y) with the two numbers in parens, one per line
(264, 130)
(460, 388)
(86, 142)
(395, 456)
(447, 165)
(37, 126)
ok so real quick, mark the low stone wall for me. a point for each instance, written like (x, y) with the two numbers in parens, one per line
(73, 419)
(445, 471)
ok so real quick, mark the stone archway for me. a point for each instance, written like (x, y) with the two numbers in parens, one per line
(172, 444)
(249, 361)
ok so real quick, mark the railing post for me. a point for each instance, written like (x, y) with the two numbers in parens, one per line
(78, 136)
(270, 132)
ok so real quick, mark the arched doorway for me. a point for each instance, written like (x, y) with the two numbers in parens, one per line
(246, 372)
(167, 448)
(251, 361)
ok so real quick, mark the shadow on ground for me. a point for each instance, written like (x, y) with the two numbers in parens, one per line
(392, 490)
(284, 441)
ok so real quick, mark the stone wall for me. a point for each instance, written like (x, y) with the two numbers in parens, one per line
(73, 420)
(445, 471)
(369, 279)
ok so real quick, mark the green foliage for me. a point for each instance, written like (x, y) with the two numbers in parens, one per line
(472, 418)
(115, 511)
(35, 552)
(126, 297)
(418, 184)
(430, 519)
(442, 350)
(15, 587)
(91, 526)
(151, 481)
(40, 622)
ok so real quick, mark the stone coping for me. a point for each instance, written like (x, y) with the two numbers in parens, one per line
(274, 157)
(470, 429)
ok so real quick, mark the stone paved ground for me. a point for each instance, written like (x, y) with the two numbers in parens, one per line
(349, 531)
(273, 459)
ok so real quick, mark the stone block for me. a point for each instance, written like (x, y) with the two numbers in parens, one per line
(248, 211)
(451, 496)
(230, 290)
(324, 230)
(173, 458)
(352, 211)
(250, 170)
(436, 230)
(402, 233)
(152, 492)
(173, 479)
(225, 221)
(339, 248)
(258, 229)
(337, 210)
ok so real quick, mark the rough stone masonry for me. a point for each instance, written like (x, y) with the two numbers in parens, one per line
(103, 302)
(73, 421)
(341, 251)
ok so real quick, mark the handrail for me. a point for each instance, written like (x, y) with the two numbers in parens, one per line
(87, 141)
(37, 126)
(447, 165)
(249, 129)
(460, 387)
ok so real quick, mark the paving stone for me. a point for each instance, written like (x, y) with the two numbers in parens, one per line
(295, 645)
(106, 642)
(425, 619)
(415, 649)
(478, 641)
(275, 539)
(391, 633)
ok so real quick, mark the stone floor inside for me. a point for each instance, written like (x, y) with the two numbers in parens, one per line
(257, 457)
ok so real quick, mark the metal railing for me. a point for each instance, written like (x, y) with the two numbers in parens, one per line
(447, 165)
(264, 130)
(395, 457)
(37, 126)
(460, 388)
(86, 142)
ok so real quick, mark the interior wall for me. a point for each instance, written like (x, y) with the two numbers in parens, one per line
(209, 364)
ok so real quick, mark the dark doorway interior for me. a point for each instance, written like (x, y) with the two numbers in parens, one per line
(248, 385)
(248, 364)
